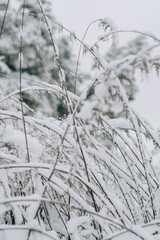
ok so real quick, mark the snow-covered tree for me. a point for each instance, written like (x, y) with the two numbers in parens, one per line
(39, 62)
(128, 74)
(125, 74)
(86, 176)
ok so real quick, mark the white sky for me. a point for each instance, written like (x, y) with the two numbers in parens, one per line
(76, 14)
(143, 15)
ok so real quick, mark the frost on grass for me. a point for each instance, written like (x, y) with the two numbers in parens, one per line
(106, 23)
(91, 174)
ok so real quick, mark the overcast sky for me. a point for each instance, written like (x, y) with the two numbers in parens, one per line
(143, 15)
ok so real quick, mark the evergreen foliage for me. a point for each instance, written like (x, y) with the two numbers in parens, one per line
(39, 61)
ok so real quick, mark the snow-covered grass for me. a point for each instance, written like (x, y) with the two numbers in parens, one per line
(89, 175)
